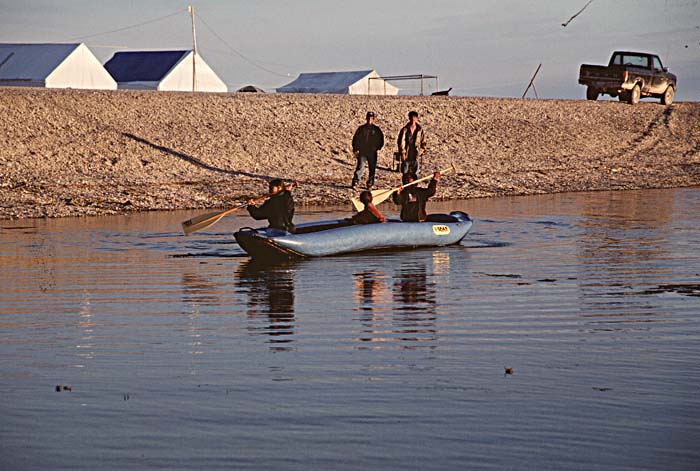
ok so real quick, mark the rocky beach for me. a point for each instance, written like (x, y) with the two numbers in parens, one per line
(79, 153)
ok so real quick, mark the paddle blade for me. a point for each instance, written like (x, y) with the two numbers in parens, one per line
(205, 220)
(201, 222)
(378, 196)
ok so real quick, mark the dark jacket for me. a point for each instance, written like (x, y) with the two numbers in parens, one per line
(412, 201)
(368, 139)
(369, 215)
(278, 210)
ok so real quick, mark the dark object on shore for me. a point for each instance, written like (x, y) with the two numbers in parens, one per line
(251, 89)
(509, 371)
(442, 92)
(338, 236)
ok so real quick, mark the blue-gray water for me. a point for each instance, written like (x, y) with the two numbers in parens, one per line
(182, 354)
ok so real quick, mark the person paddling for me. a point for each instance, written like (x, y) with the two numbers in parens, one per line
(413, 198)
(278, 209)
(370, 214)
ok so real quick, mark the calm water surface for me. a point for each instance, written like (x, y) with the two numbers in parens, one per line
(181, 353)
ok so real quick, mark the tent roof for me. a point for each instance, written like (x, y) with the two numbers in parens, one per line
(32, 61)
(143, 66)
(325, 82)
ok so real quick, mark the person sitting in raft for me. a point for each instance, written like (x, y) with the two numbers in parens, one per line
(370, 214)
(279, 207)
(412, 199)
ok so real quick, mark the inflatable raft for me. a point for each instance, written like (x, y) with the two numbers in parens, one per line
(334, 237)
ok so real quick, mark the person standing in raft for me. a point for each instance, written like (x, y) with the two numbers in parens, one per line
(411, 143)
(278, 209)
(413, 199)
(370, 214)
(367, 140)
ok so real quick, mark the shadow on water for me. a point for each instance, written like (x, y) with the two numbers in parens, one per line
(270, 293)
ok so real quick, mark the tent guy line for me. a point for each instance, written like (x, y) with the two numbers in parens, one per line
(80, 38)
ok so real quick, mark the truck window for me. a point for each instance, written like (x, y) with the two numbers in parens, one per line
(657, 63)
(635, 61)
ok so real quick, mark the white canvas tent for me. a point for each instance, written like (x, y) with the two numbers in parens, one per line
(163, 71)
(52, 66)
(344, 83)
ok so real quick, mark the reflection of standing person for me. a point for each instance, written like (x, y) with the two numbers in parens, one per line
(366, 285)
(411, 142)
(366, 141)
(278, 209)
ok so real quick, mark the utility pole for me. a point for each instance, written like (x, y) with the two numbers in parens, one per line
(190, 8)
(532, 83)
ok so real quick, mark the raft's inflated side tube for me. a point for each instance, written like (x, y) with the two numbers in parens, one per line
(337, 237)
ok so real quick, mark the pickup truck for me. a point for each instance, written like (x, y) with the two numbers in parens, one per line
(629, 76)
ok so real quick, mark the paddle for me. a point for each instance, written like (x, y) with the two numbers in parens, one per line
(379, 196)
(205, 220)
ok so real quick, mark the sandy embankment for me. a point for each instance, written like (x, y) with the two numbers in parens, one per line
(67, 152)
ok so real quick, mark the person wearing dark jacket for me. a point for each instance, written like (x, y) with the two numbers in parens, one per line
(413, 199)
(278, 209)
(367, 140)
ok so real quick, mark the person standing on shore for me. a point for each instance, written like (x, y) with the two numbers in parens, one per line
(413, 199)
(411, 142)
(367, 140)
(279, 207)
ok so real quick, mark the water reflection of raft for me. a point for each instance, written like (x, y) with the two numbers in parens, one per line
(333, 237)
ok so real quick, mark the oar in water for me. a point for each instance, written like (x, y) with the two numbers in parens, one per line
(379, 196)
(205, 220)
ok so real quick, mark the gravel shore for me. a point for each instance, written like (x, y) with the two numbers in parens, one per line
(73, 153)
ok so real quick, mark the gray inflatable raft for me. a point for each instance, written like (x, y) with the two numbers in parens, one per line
(334, 237)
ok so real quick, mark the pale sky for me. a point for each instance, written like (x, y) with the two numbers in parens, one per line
(479, 48)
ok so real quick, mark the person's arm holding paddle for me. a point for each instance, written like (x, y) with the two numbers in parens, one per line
(278, 209)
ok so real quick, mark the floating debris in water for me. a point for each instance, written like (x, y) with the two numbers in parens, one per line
(509, 371)
(688, 289)
(501, 275)
(602, 389)
(547, 280)
(64, 388)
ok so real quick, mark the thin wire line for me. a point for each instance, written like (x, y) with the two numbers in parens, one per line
(250, 61)
(122, 29)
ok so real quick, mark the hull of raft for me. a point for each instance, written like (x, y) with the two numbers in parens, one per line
(335, 237)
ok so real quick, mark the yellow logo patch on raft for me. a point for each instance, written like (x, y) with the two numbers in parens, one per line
(440, 229)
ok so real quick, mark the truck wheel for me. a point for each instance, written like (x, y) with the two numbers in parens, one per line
(634, 95)
(591, 94)
(667, 97)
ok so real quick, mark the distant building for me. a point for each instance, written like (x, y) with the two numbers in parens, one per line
(52, 66)
(163, 71)
(344, 83)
